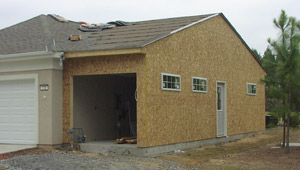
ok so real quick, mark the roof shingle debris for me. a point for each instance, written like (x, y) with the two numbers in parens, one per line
(95, 27)
(58, 18)
(36, 33)
(85, 27)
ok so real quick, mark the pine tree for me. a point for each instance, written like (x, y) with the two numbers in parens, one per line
(282, 60)
(257, 54)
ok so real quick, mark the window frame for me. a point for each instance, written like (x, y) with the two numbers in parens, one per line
(199, 91)
(173, 75)
(252, 94)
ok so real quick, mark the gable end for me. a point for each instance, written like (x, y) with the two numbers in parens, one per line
(243, 41)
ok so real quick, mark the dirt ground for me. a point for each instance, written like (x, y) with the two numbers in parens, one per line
(260, 151)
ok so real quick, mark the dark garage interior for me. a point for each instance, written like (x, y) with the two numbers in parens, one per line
(104, 106)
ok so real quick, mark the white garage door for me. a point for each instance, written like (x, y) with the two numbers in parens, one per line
(18, 118)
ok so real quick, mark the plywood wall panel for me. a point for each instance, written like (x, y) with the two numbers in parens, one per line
(213, 51)
(104, 65)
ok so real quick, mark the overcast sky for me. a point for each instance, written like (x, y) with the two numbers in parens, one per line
(251, 18)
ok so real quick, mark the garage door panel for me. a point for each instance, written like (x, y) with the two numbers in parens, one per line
(18, 122)
(3, 110)
(5, 119)
(9, 103)
(4, 86)
(25, 94)
(17, 111)
(4, 137)
(23, 103)
(29, 135)
(18, 119)
(26, 128)
(5, 127)
(28, 110)
(29, 120)
(16, 85)
(17, 138)
(5, 103)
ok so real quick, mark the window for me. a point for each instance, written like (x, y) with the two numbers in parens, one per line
(170, 82)
(199, 84)
(251, 89)
(219, 100)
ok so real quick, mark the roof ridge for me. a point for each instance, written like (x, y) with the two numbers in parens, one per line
(23, 22)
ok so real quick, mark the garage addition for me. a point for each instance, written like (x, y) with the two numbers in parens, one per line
(18, 109)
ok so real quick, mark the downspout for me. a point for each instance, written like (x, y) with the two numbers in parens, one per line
(62, 59)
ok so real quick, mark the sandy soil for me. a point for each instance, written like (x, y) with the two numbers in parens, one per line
(261, 151)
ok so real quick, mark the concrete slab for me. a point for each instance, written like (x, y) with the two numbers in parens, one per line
(108, 147)
(295, 144)
(7, 148)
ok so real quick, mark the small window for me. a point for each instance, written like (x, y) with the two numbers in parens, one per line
(170, 82)
(251, 89)
(199, 84)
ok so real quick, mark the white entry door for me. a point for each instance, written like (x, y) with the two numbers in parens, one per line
(18, 111)
(221, 110)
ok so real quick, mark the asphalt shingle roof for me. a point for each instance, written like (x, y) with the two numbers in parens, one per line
(43, 33)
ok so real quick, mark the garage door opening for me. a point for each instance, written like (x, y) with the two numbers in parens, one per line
(104, 106)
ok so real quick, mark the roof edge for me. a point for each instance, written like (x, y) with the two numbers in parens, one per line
(194, 23)
(243, 41)
(103, 52)
(30, 56)
(182, 28)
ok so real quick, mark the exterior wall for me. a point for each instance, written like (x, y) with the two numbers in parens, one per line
(56, 85)
(114, 64)
(211, 50)
(49, 107)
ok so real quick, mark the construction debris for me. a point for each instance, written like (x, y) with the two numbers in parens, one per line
(95, 27)
(120, 23)
(77, 136)
(58, 18)
(86, 27)
(130, 140)
(75, 37)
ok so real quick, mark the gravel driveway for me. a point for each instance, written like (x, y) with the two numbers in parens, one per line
(57, 161)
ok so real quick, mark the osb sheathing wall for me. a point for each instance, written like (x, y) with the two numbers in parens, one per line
(211, 50)
(102, 65)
